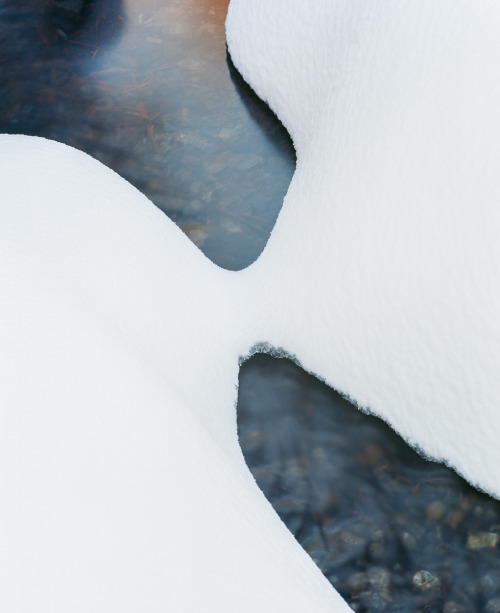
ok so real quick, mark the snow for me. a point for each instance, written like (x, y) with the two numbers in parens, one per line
(123, 485)
(382, 274)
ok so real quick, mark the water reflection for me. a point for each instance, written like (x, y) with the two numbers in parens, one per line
(144, 87)
(390, 530)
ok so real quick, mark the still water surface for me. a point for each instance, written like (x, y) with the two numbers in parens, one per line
(146, 87)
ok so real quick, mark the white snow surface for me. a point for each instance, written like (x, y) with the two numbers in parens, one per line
(122, 484)
(382, 274)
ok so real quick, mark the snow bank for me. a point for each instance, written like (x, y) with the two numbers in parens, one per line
(123, 486)
(382, 274)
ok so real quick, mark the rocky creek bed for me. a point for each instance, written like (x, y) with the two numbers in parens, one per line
(391, 531)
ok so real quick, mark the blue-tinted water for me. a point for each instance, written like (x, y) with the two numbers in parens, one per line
(146, 87)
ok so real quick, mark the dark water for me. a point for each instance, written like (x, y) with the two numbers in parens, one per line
(145, 86)
(392, 531)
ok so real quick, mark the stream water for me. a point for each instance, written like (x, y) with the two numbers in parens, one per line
(146, 87)
(391, 530)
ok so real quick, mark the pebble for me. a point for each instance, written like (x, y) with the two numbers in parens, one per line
(356, 583)
(492, 606)
(380, 579)
(196, 233)
(482, 540)
(489, 584)
(435, 510)
(371, 454)
(230, 226)
(425, 580)
(376, 602)
(408, 539)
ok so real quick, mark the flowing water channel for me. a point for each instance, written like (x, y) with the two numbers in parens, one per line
(146, 87)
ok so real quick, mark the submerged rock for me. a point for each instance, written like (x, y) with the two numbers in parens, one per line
(489, 584)
(436, 510)
(482, 540)
(492, 606)
(453, 607)
(425, 580)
